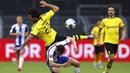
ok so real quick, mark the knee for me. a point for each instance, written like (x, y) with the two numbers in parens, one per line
(77, 64)
(111, 57)
(21, 52)
(74, 62)
(55, 71)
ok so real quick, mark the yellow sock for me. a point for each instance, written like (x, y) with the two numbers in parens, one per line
(109, 65)
(79, 37)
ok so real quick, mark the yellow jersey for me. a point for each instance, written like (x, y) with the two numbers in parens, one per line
(42, 28)
(111, 29)
(95, 33)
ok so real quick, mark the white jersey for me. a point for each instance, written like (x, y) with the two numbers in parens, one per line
(51, 50)
(22, 29)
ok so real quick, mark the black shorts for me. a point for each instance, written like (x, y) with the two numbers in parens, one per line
(111, 48)
(99, 49)
(57, 39)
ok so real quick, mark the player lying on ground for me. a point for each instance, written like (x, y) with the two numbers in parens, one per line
(56, 59)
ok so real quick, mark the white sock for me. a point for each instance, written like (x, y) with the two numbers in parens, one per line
(76, 69)
(21, 60)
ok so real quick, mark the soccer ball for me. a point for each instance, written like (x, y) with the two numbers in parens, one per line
(70, 23)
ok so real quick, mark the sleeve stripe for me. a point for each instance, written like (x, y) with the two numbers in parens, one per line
(32, 34)
(48, 51)
(53, 11)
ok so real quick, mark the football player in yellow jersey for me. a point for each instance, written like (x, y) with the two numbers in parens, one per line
(41, 28)
(112, 26)
(99, 48)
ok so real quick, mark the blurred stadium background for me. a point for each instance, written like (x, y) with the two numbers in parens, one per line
(83, 11)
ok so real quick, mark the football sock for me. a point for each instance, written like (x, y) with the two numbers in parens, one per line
(76, 69)
(109, 65)
(79, 37)
(21, 60)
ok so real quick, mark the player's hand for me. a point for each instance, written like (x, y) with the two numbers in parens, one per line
(122, 38)
(19, 33)
(66, 64)
(43, 3)
(16, 49)
(76, 49)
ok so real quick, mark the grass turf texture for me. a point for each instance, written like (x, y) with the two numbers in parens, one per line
(39, 67)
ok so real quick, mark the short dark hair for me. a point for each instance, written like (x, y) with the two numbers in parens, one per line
(111, 7)
(34, 12)
(60, 48)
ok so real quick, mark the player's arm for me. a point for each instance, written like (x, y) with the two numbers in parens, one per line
(51, 58)
(30, 36)
(26, 31)
(54, 8)
(103, 34)
(58, 65)
(121, 25)
(98, 34)
(93, 32)
(102, 25)
(73, 42)
(123, 34)
(13, 32)
(123, 31)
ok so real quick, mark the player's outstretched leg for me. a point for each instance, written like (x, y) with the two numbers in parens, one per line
(76, 65)
(21, 60)
(81, 37)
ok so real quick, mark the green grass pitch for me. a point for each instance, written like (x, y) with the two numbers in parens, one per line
(39, 67)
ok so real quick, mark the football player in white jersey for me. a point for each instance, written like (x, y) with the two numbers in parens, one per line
(56, 59)
(20, 31)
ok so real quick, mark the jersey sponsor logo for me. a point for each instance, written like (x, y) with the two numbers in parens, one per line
(108, 27)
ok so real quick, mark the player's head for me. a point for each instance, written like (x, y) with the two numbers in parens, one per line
(98, 22)
(60, 49)
(34, 14)
(19, 19)
(111, 11)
